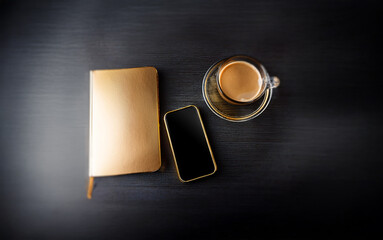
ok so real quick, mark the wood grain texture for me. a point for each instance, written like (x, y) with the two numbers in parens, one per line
(309, 167)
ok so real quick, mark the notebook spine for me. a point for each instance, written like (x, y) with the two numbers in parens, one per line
(91, 179)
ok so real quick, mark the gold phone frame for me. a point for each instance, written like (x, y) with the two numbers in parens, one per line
(206, 138)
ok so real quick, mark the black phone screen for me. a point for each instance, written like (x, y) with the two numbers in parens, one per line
(190, 145)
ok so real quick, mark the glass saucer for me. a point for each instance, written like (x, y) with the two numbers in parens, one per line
(225, 110)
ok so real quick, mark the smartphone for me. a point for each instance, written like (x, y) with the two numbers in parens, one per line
(190, 147)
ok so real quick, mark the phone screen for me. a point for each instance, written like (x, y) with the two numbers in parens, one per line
(191, 150)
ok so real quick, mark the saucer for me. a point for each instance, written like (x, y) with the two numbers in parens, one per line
(225, 110)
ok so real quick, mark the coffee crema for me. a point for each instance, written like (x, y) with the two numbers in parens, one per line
(240, 81)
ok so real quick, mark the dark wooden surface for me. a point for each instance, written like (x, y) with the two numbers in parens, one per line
(309, 167)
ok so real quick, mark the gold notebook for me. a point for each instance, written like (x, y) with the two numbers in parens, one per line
(124, 134)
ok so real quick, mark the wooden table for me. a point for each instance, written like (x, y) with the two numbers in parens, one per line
(308, 167)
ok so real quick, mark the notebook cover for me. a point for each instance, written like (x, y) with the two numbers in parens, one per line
(124, 122)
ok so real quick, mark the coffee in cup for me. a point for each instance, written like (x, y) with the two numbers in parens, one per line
(242, 80)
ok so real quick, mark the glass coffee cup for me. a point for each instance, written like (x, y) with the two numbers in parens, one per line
(242, 80)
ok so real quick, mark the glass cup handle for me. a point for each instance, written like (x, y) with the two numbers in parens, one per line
(274, 81)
